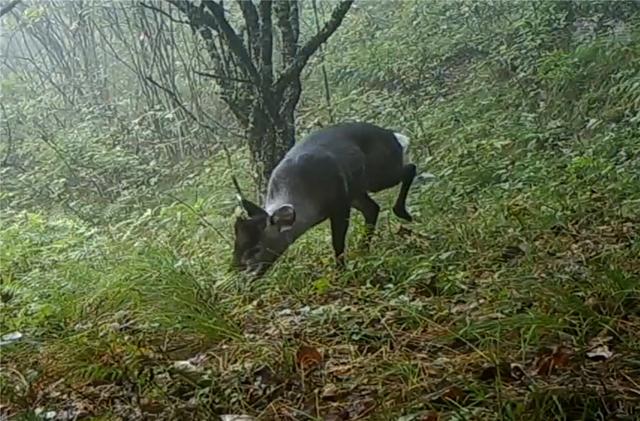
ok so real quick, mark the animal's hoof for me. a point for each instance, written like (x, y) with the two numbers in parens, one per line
(402, 213)
(340, 262)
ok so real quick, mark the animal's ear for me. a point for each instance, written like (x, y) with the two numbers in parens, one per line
(283, 217)
(252, 209)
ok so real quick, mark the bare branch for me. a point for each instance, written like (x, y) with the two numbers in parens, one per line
(235, 43)
(263, 87)
(202, 218)
(266, 42)
(285, 24)
(221, 77)
(163, 12)
(323, 68)
(179, 103)
(292, 72)
(206, 126)
(294, 16)
(250, 15)
(9, 137)
(6, 9)
(206, 24)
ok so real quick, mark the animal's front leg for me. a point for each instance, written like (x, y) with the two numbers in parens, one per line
(339, 227)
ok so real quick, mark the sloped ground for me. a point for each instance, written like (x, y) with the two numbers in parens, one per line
(513, 296)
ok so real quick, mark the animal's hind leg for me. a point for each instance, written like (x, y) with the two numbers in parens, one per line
(370, 210)
(400, 208)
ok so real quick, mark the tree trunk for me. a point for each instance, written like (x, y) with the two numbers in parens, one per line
(268, 143)
(262, 97)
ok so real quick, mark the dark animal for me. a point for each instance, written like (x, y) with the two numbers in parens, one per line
(323, 177)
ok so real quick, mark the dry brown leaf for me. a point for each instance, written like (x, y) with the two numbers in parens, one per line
(453, 393)
(492, 372)
(431, 416)
(308, 357)
(151, 406)
(557, 357)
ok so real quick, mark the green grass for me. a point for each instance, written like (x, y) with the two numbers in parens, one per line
(529, 240)
(412, 327)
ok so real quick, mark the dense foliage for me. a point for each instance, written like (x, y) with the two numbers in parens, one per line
(515, 295)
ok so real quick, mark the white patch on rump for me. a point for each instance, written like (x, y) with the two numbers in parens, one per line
(404, 144)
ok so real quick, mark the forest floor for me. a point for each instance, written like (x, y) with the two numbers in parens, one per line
(498, 303)
(514, 295)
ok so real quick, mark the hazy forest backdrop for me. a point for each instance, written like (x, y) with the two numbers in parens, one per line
(514, 296)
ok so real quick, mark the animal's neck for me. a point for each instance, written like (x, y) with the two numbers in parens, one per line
(306, 216)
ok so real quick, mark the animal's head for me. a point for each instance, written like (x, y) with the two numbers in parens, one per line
(260, 237)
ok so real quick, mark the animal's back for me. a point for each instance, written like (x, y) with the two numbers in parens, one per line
(361, 147)
(337, 163)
